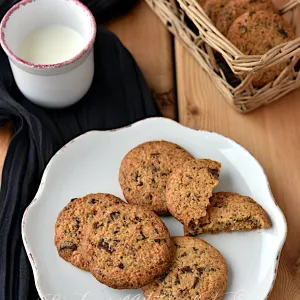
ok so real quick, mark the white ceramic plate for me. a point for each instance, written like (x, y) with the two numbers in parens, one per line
(90, 164)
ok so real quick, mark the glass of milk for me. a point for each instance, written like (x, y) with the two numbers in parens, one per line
(49, 44)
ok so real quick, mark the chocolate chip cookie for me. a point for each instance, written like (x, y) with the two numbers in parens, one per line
(71, 221)
(235, 8)
(213, 8)
(198, 271)
(229, 212)
(255, 33)
(127, 247)
(189, 189)
(145, 170)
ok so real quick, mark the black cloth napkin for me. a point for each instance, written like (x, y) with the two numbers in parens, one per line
(118, 96)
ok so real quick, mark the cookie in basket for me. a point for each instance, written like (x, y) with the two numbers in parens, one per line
(71, 221)
(201, 2)
(144, 172)
(230, 212)
(127, 247)
(189, 189)
(236, 8)
(213, 8)
(198, 271)
(255, 33)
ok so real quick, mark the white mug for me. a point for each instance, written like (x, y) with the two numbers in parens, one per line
(54, 85)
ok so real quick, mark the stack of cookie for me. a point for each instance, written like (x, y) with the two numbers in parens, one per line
(254, 27)
(127, 246)
(166, 178)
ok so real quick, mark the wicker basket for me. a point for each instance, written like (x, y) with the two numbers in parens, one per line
(232, 71)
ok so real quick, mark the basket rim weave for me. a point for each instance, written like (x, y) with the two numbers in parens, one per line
(238, 61)
(207, 40)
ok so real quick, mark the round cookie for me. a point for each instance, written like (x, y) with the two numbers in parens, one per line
(189, 189)
(231, 211)
(145, 170)
(255, 33)
(213, 8)
(69, 227)
(198, 271)
(127, 247)
(235, 8)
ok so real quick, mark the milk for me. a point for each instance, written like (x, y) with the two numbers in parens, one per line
(50, 45)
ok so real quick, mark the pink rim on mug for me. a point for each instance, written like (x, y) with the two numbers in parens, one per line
(47, 66)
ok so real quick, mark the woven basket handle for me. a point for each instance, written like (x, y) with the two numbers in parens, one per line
(288, 6)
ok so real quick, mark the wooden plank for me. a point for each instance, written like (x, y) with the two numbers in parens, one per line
(5, 136)
(270, 133)
(150, 43)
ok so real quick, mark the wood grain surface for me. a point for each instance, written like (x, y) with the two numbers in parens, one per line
(5, 136)
(151, 45)
(270, 133)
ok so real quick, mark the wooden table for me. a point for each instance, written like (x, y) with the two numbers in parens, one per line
(269, 133)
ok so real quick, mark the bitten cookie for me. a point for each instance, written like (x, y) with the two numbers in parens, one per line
(71, 221)
(229, 212)
(128, 247)
(255, 33)
(198, 271)
(213, 8)
(235, 8)
(189, 189)
(145, 170)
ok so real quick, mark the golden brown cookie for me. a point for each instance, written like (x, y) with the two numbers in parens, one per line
(213, 8)
(201, 2)
(255, 33)
(235, 8)
(229, 212)
(145, 170)
(127, 247)
(189, 189)
(69, 227)
(198, 271)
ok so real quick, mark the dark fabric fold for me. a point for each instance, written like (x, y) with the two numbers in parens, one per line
(118, 96)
